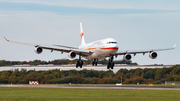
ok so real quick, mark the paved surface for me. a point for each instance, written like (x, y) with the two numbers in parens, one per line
(71, 67)
(93, 87)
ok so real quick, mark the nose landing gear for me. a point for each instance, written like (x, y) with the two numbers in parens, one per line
(94, 63)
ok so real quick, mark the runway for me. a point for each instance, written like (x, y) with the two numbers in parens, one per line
(73, 67)
(93, 87)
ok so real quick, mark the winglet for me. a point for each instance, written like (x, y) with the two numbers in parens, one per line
(174, 46)
(6, 39)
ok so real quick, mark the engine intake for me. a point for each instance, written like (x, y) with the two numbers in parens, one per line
(153, 55)
(127, 57)
(38, 50)
(72, 54)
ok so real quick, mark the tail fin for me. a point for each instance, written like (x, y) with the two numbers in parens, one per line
(82, 35)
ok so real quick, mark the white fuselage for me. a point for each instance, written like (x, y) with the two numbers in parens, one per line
(101, 49)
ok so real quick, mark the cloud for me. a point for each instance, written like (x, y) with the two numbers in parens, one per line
(108, 4)
(4, 15)
(5, 6)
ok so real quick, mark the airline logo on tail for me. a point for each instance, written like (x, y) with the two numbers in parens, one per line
(82, 35)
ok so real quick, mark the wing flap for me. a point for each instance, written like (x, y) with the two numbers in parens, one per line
(64, 49)
(66, 46)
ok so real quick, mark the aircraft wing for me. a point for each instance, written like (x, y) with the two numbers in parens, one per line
(142, 51)
(66, 46)
(56, 48)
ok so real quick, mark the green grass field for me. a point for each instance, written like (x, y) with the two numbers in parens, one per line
(63, 94)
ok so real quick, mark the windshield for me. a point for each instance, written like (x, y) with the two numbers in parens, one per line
(111, 42)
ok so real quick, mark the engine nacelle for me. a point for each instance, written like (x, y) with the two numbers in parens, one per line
(153, 55)
(38, 50)
(127, 57)
(72, 54)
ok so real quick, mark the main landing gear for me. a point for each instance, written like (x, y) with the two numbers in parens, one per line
(110, 63)
(79, 62)
(94, 63)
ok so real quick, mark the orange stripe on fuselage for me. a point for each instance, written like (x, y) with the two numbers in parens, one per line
(111, 48)
(89, 48)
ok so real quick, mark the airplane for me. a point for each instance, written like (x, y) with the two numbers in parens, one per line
(95, 51)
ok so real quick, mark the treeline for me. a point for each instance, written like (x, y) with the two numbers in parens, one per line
(58, 62)
(133, 76)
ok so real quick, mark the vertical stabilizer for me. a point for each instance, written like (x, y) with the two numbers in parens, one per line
(82, 35)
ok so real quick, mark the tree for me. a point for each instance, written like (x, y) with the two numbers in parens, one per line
(92, 73)
(177, 78)
(149, 74)
(158, 74)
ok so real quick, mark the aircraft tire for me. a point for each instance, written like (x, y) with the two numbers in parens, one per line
(112, 67)
(77, 64)
(108, 65)
(95, 63)
(80, 64)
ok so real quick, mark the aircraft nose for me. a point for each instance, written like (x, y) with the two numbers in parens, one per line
(116, 46)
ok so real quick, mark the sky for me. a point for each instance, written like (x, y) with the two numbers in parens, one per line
(134, 24)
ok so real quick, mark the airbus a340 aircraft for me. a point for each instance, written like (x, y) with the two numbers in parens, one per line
(95, 50)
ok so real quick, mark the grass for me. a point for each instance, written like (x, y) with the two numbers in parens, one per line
(67, 94)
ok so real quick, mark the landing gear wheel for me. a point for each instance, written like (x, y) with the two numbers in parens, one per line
(79, 62)
(108, 66)
(95, 63)
(110, 63)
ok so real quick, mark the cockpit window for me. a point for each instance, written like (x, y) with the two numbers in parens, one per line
(111, 42)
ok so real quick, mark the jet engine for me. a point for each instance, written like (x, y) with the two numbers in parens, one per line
(127, 57)
(38, 50)
(153, 55)
(72, 54)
